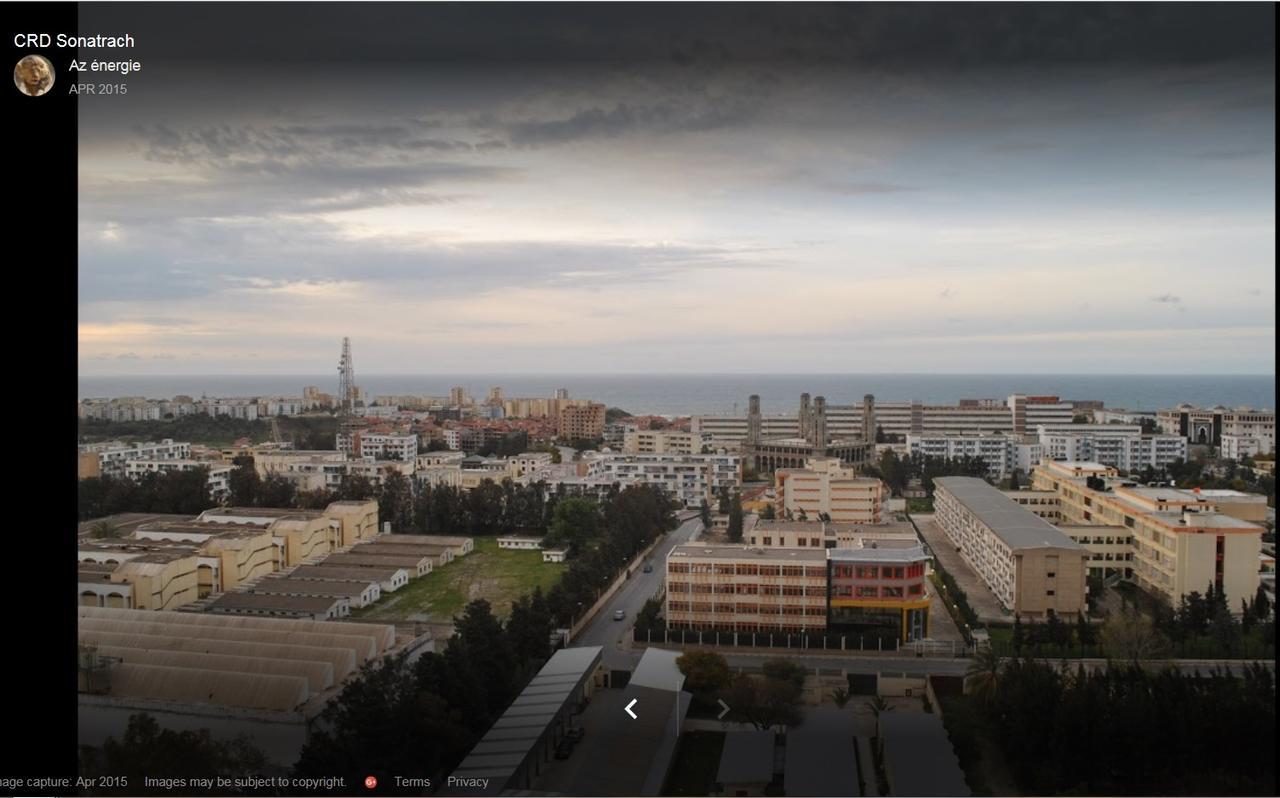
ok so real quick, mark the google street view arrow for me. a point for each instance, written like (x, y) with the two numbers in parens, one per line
(724, 711)
(627, 708)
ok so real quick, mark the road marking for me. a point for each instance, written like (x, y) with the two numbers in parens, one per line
(627, 708)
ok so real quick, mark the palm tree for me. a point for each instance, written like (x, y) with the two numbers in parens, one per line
(877, 705)
(841, 697)
(983, 674)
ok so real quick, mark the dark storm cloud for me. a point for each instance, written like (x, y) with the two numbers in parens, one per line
(882, 35)
(279, 144)
(625, 119)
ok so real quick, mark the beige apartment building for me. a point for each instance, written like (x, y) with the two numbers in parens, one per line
(829, 535)
(664, 441)
(582, 421)
(165, 563)
(827, 486)
(137, 579)
(742, 589)
(1031, 566)
(1181, 540)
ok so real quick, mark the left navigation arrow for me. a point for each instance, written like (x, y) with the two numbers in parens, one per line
(627, 708)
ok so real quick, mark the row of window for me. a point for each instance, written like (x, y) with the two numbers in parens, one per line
(915, 571)
(863, 591)
(816, 591)
(747, 609)
(742, 569)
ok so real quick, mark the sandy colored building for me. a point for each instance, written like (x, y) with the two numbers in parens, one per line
(825, 486)
(664, 441)
(735, 588)
(1031, 566)
(828, 535)
(1181, 540)
(582, 422)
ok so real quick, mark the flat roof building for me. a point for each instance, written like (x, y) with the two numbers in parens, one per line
(1031, 566)
(1181, 540)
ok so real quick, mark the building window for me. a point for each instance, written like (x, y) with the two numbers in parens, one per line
(1049, 592)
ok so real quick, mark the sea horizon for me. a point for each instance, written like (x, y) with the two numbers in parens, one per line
(694, 394)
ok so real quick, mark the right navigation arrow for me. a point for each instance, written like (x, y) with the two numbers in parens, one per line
(724, 711)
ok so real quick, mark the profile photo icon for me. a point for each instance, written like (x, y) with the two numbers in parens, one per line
(33, 75)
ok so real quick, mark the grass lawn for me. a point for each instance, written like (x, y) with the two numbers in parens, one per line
(917, 505)
(696, 765)
(498, 575)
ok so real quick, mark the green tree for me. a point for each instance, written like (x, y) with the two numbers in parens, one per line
(244, 484)
(276, 491)
(1261, 604)
(983, 674)
(490, 652)
(1131, 636)
(876, 706)
(735, 519)
(378, 723)
(395, 501)
(146, 749)
(704, 514)
(575, 523)
(723, 500)
(706, 673)
(768, 513)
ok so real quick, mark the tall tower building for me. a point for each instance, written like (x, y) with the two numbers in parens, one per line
(753, 419)
(806, 418)
(868, 418)
(820, 426)
(349, 421)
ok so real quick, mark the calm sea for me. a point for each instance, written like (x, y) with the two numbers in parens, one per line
(691, 395)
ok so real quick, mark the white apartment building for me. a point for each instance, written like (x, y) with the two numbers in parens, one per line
(615, 433)
(246, 409)
(110, 458)
(1003, 454)
(825, 487)
(1116, 445)
(128, 408)
(664, 441)
(1118, 416)
(379, 447)
(688, 478)
(219, 479)
(282, 406)
(1238, 447)
(1017, 414)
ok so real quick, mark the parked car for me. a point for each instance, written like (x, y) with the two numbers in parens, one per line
(576, 734)
(648, 568)
(619, 615)
(564, 749)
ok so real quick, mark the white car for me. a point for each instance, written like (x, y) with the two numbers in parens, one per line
(619, 615)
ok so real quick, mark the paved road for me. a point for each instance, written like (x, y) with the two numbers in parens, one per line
(603, 630)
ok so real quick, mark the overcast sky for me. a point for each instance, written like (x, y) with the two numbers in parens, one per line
(682, 189)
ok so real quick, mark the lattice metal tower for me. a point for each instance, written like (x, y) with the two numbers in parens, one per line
(346, 382)
(348, 419)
